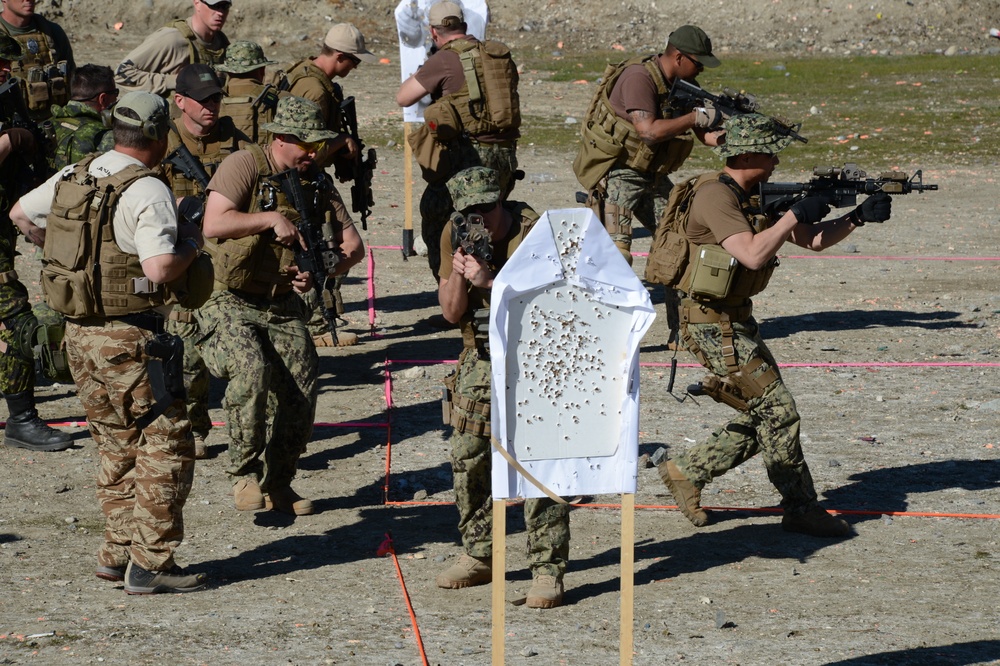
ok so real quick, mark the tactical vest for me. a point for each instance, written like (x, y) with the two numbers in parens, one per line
(80, 225)
(41, 71)
(256, 264)
(488, 101)
(199, 51)
(305, 69)
(518, 211)
(227, 141)
(715, 277)
(614, 135)
(250, 105)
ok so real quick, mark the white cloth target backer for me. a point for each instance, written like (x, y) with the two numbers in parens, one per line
(568, 314)
(415, 40)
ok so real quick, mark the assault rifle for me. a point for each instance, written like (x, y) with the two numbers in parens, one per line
(14, 114)
(839, 187)
(685, 95)
(360, 169)
(471, 234)
(183, 160)
(322, 253)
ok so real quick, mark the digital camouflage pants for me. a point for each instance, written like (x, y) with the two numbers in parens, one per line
(435, 204)
(546, 521)
(261, 346)
(769, 426)
(17, 371)
(145, 474)
(197, 379)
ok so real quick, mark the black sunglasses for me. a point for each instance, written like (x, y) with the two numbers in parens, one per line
(697, 64)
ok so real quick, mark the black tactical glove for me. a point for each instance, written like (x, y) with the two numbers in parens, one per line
(810, 210)
(876, 208)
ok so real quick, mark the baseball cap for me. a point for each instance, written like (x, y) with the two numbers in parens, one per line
(198, 81)
(474, 186)
(446, 13)
(345, 38)
(242, 57)
(752, 133)
(212, 3)
(301, 118)
(152, 110)
(692, 40)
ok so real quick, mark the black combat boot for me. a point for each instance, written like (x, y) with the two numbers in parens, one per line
(25, 430)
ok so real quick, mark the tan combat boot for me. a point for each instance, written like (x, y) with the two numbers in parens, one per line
(344, 339)
(686, 494)
(247, 494)
(287, 501)
(545, 592)
(815, 522)
(200, 448)
(468, 571)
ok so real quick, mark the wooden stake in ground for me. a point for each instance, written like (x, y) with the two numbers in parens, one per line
(627, 588)
(499, 578)
(408, 197)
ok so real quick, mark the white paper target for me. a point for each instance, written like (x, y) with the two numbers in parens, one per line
(415, 40)
(568, 314)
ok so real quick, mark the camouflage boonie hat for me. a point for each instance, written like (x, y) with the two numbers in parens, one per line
(473, 187)
(243, 57)
(751, 133)
(10, 49)
(301, 118)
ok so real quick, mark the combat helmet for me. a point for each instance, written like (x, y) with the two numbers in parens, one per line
(10, 49)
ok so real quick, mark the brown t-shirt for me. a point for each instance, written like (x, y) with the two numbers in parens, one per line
(236, 179)
(715, 215)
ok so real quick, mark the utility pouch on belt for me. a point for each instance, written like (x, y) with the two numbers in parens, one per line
(447, 394)
(721, 390)
(713, 272)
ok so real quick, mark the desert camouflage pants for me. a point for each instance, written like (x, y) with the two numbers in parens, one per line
(145, 475)
(769, 426)
(261, 346)
(435, 203)
(546, 521)
(17, 372)
(196, 376)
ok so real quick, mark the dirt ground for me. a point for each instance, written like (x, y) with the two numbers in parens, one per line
(890, 343)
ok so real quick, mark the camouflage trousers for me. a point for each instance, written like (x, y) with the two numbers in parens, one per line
(435, 203)
(17, 370)
(261, 346)
(196, 376)
(769, 426)
(546, 521)
(145, 474)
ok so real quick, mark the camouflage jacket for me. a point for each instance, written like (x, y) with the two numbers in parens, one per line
(79, 130)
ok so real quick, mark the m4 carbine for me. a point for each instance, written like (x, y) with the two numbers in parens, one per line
(358, 170)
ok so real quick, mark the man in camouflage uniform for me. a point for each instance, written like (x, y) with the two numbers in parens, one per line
(18, 324)
(248, 100)
(718, 327)
(254, 326)
(83, 126)
(343, 50)
(139, 424)
(154, 64)
(442, 77)
(465, 285)
(209, 139)
(47, 64)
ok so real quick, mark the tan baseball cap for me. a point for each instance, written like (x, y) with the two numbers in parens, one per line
(446, 14)
(345, 38)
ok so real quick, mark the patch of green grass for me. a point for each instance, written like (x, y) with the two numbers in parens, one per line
(880, 112)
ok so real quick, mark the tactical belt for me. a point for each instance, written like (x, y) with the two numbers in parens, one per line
(693, 312)
(464, 424)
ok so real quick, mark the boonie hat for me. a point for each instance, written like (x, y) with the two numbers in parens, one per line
(474, 186)
(10, 48)
(243, 57)
(198, 81)
(446, 14)
(752, 133)
(345, 38)
(301, 118)
(692, 40)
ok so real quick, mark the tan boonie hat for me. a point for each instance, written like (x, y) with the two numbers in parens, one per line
(692, 41)
(446, 14)
(474, 186)
(243, 57)
(345, 38)
(752, 133)
(301, 118)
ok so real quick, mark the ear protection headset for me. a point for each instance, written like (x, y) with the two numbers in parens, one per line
(154, 128)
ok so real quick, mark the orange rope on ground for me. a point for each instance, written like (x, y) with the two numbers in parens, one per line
(387, 548)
